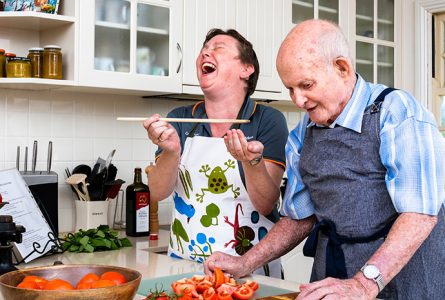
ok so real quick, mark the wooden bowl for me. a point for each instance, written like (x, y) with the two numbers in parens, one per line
(72, 274)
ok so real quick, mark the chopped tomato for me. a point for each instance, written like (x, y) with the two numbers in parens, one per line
(198, 278)
(244, 292)
(210, 294)
(203, 285)
(179, 287)
(252, 284)
(157, 296)
(223, 295)
(228, 288)
(219, 277)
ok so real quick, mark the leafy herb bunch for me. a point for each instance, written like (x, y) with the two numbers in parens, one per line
(98, 239)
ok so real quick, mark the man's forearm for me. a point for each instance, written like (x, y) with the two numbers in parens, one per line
(283, 237)
(163, 176)
(406, 236)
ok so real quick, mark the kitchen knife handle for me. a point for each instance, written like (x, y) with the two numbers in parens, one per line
(17, 161)
(50, 156)
(26, 158)
(34, 156)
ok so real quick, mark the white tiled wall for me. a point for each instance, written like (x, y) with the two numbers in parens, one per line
(82, 127)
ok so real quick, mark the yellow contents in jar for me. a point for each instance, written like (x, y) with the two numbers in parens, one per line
(18, 67)
(36, 57)
(52, 62)
(2, 63)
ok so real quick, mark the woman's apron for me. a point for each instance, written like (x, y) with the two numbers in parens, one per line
(346, 179)
(212, 210)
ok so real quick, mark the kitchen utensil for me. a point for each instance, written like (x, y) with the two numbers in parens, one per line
(96, 185)
(34, 157)
(50, 156)
(186, 120)
(82, 169)
(288, 296)
(17, 161)
(121, 222)
(26, 159)
(76, 179)
(115, 187)
(72, 274)
(68, 174)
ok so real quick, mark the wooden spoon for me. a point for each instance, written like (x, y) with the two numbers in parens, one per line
(76, 179)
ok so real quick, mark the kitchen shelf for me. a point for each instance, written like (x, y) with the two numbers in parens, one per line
(33, 21)
(113, 25)
(35, 83)
(153, 30)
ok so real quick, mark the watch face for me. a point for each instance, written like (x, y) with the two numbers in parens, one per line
(371, 271)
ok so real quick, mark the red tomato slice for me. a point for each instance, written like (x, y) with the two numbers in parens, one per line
(210, 294)
(243, 293)
(223, 295)
(219, 277)
(203, 286)
(252, 284)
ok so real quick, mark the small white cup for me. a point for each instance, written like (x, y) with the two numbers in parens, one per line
(104, 63)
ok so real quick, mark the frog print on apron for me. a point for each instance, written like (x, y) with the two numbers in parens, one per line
(213, 211)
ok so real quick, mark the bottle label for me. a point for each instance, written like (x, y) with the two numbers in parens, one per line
(142, 217)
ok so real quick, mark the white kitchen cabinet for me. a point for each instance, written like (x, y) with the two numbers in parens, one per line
(131, 45)
(372, 27)
(259, 21)
(25, 29)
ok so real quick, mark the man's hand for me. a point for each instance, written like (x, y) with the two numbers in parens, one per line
(233, 265)
(162, 134)
(332, 288)
(238, 146)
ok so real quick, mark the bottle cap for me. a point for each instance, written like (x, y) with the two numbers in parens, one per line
(153, 236)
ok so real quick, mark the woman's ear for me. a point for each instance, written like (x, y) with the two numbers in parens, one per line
(342, 66)
(246, 71)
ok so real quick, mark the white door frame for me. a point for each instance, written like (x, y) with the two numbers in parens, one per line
(423, 83)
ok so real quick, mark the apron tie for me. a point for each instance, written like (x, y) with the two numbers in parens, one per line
(335, 258)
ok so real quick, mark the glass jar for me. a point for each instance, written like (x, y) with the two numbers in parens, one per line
(18, 67)
(2, 63)
(52, 62)
(36, 56)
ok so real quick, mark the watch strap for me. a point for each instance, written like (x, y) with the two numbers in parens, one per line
(378, 279)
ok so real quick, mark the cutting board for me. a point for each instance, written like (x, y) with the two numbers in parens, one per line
(165, 282)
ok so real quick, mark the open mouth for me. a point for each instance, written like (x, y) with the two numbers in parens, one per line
(208, 68)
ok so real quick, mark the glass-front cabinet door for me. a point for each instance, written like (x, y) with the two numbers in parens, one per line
(315, 9)
(131, 44)
(375, 40)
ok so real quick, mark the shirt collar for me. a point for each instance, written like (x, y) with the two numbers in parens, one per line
(352, 115)
(249, 109)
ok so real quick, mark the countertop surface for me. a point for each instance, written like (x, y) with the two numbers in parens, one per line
(148, 257)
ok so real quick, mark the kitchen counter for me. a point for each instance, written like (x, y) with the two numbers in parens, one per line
(148, 257)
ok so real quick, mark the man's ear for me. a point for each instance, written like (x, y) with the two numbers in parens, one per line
(342, 66)
(246, 71)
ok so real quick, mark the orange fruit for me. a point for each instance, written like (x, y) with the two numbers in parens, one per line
(28, 285)
(101, 283)
(117, 277)
(89, 278)
(37, 279)
(84, 285)
(58, 284)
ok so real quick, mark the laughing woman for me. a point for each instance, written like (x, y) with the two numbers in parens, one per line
(224, 178)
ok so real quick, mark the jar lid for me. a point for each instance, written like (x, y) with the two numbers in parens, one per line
(10, 54)
(2, 51)
(18, 59)
(52, 47)
(36, 49)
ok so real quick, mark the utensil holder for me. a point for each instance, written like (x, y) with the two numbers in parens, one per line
(90, 214)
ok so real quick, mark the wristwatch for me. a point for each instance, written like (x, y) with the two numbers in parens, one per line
(256, 160)
(373, 273)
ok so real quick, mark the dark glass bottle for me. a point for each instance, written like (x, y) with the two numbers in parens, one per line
(137, 210)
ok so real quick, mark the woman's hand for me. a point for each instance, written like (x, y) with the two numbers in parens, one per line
(238, 146)
(162, 133)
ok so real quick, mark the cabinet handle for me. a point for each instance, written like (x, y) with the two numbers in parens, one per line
(180, 62)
